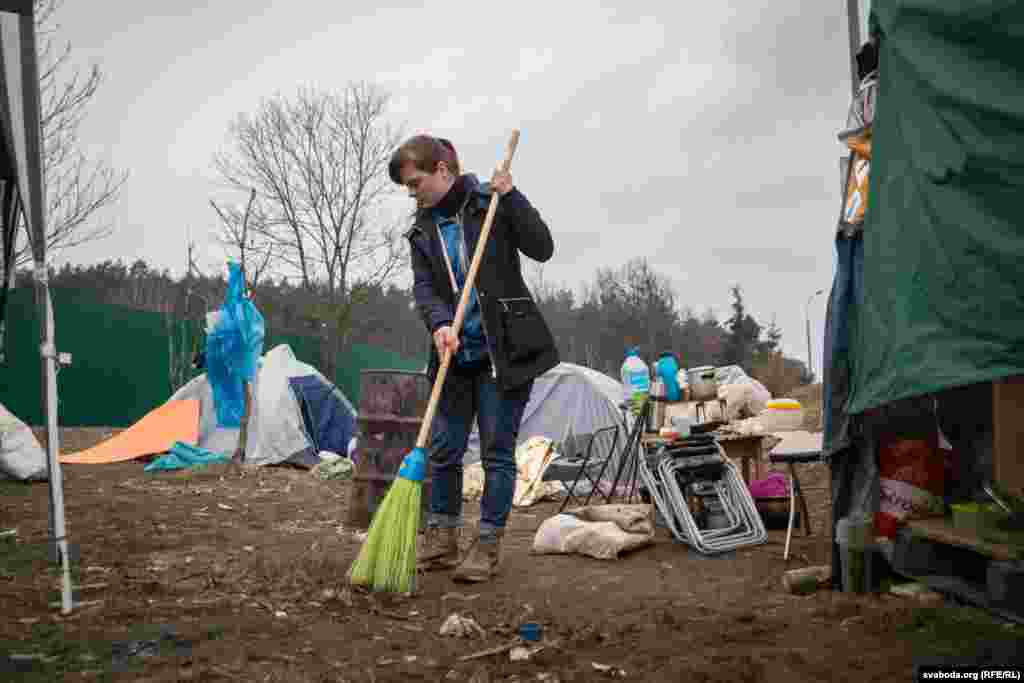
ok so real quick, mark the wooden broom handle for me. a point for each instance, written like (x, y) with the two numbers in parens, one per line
(460, 312)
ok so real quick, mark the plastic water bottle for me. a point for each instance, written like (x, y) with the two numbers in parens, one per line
(667, 368)
(636, 377)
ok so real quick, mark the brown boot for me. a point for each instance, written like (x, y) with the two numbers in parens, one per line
(439, 550)
(482, 563)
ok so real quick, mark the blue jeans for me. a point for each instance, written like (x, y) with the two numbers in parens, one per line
(467, 396)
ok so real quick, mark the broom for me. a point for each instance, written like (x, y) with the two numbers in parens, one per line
(387, 559)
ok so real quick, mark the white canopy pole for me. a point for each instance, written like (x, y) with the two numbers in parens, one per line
(47, 349)
(853, 20)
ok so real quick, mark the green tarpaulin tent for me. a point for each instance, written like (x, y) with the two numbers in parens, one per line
(943, 298)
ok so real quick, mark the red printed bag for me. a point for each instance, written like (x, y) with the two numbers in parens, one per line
(912, 482)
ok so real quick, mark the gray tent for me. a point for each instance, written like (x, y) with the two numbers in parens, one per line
(566, 400)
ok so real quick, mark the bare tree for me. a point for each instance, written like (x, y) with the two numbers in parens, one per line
(76, 188)
(318, 163)
(254, 246)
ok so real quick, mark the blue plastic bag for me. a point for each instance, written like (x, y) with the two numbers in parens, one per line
(233, 350)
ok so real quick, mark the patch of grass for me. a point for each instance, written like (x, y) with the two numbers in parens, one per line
(19, 558)
(952, 631)
(11, 487)
(56, 657)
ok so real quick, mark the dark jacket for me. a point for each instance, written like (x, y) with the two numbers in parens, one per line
(518, 339)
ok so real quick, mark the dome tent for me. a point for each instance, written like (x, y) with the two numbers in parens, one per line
(567, 400)
(296, 413)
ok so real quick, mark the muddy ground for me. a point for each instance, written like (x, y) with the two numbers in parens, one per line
(239, 575)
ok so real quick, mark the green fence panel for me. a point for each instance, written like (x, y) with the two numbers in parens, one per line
(125, 362)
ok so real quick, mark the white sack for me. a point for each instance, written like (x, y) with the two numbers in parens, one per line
(601, 531)
(21, 455)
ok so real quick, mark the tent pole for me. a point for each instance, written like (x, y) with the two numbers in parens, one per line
(37, 230)
(853, 20)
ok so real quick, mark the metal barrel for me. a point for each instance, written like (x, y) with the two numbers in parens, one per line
(391, 407)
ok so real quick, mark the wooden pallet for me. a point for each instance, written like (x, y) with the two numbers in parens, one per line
(941, 530)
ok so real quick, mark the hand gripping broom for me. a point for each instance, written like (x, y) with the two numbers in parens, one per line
(387, 560)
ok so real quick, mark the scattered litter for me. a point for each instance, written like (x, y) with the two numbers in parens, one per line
(8, 532)
(410, 658)
(608, 669)
(490, 651)
(332, 467)
(222, 506)
(248, 548)
(388, 614)
(15, 657)
(167, 642)
(384, 661)
(522, 654)
(519, 654)
(28, 621)
(460, 627)
(531, 632)
(460, 596)
(281, 614)
(806, 580)
(79, 605)
(918, 591)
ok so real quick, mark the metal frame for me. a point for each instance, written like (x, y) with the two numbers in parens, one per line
(31, 190)
(744, 526)
(585, 463)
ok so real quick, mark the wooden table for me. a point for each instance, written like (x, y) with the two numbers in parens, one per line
(746, 448)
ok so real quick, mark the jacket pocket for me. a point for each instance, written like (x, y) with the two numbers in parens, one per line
(523, 330)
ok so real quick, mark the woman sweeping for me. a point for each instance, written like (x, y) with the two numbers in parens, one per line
(503, 345)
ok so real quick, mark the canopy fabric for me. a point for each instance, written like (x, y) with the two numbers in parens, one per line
(20, 159)
(943, 301)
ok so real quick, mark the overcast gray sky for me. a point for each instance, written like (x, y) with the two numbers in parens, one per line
(701, 136)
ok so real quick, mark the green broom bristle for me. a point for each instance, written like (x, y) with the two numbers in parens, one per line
(387, 560)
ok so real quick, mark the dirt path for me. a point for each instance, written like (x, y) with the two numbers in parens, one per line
(250, 570)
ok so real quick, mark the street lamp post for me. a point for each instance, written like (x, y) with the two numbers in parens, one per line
(807, 319)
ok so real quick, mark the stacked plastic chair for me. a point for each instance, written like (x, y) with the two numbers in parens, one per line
(698, 468)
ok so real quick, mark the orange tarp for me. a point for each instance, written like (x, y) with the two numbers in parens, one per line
(155, 433)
